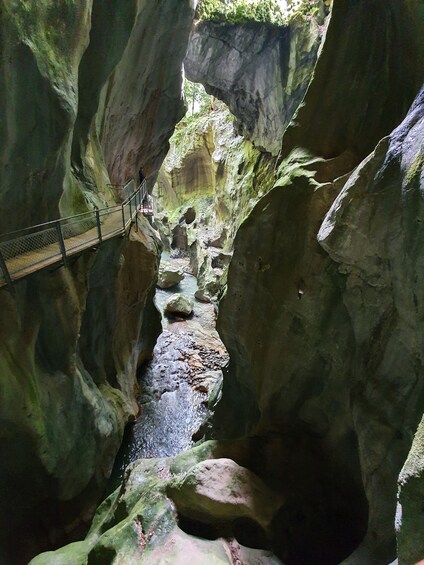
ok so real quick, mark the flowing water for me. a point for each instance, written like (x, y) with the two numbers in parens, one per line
(175, 384)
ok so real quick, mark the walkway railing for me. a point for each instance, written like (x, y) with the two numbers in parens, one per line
(28, 250)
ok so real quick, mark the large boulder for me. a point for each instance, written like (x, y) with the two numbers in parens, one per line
(179, 237)
(138, 522)
(179, 304)
(222, 491)
(170, 275)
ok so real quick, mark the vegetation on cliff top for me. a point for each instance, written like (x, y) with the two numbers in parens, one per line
(199, 105)
(273, 12)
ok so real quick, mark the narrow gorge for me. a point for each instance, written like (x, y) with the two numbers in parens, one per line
(212, 282)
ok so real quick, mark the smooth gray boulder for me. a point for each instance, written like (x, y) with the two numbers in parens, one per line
(170, 275)
(222, 491)
(179, 304)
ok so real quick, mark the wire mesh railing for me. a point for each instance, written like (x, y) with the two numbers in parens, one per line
(129, 189)
(25, 251)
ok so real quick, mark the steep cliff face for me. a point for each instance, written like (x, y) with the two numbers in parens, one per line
(261, 72)
(373, 233)
(142, 101)
(72, 338)
(208, 184)
(322, 353)
(42, 46)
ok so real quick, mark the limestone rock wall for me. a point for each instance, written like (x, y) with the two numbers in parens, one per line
(41, 48)
(143, 101)
(72, 338)
(209, 182)
(261, 72)
(373, 232)
(324, 339)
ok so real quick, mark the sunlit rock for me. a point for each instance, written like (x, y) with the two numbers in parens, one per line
(170, 274)
(179, 304)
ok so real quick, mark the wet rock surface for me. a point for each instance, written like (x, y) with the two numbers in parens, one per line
(179, 385)
(139, 522)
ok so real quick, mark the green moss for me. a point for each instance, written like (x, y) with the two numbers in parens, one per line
(415, 168)
(298, 164)
(188, 126)
(49, 31)
(75, 553)
(264, 11)
(73, 200)
(200, 201)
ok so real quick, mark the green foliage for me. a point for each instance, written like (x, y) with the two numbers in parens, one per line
(198, 109)
(196, 97)
(265, 11)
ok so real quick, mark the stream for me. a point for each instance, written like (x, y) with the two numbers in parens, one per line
(176, 384)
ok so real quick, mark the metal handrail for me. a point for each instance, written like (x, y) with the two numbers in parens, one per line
(20, 249)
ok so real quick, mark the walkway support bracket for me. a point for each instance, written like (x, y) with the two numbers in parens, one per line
(61, 242)
(6, 274)
(99, 227)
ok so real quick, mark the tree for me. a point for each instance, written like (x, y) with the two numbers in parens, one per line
(195, 95)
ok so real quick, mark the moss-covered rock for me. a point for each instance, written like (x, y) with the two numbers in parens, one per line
(139, 523)
(71, 345)
(218, 176)
(81, 84)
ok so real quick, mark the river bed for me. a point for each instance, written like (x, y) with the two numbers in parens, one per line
(176, 384)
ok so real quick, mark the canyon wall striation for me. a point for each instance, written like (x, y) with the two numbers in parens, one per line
(90, 92)
(324, 349)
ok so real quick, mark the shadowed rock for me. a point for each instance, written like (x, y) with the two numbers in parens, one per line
(220, 490)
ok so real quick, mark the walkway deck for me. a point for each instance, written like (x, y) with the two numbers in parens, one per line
(38, 247)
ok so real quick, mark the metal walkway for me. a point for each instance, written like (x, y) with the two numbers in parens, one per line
(29, 250)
